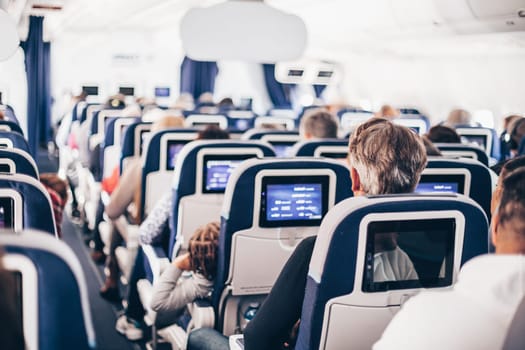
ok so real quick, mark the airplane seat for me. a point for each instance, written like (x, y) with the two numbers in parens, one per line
(16, 161)
(25, 204)
(514, 339)
(282, 112)
(282, 141)
(274, 123)
(132, 142)
(259, 221)
(51, 295)
(201, 174)
(9, 113)
(465, 176)
(8, 125)
(240, 120)
(111, 146)
(159, 162)
(349, 119)
(486, 138)
(329, 148)
(454, 150)
(200, 120)
(12, 139)
(353, 289)
(417, 123)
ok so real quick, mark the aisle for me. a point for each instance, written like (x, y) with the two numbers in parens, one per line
(104, 314)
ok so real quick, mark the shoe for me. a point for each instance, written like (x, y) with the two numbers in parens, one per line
(98, 256)
(129, 328)
(111, 294)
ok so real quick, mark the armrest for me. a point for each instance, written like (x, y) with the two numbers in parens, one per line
(157, 259)
(202, 314)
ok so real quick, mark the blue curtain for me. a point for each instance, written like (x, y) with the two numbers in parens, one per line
(37, 60)
(197, 77)
(319, 90)
(279, 93)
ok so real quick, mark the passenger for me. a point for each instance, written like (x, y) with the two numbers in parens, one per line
(120, 200)
(170, 295)
(505, 136)
(507, 168)
(11, 332)
(384, 158)
(152, 231)
(443, 134)
(517, 133)
(387, 112)
(57, 190)
(431, 149)
(476, 313)
(459, 117)
(318, 124)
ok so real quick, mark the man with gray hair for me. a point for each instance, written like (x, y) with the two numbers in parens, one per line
(384, 158)
(318, 124)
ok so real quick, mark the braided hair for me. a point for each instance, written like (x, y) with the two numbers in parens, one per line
(203, 250)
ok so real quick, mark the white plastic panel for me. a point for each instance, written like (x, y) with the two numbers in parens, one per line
(157, 183)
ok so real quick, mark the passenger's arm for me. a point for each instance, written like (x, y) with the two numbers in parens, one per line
(123, 194)
(169, 295)
(156, 221)
(271, 326)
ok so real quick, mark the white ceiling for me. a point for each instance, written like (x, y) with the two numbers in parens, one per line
(336, 27)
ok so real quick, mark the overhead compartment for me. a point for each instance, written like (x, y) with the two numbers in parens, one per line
(482, 16)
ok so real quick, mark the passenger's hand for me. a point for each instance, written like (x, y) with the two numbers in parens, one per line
(183, 262)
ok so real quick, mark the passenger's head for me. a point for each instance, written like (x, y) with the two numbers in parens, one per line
(318, 124)
(508, 222)
(115, 102)
(167, 122)
(430, 148)
(517, 132)
(385, 158)
(203, 250)
(213, 132)
(387, 112)
(506, 169)
(443, 134)
(507, 121)
(459, 117)
(57, 184)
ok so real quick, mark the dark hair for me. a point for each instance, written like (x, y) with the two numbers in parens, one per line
(431, 149)
(517, 132)
(203, 250)
(53, 181)
(443, 134)
(213, 132)
(512, 204)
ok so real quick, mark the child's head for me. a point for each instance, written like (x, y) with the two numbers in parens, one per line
(203, 250)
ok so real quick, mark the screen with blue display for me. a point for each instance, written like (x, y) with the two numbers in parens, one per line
(441, 183)
(282, 149)
(293, 201)
(174, 147)
(217, 170)
(162, 92)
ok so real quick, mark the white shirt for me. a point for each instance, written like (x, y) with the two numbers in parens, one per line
(393, 265)
(474, 314)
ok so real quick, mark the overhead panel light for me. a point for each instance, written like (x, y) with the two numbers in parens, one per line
(9, 40)
(242, 30)
(307, 72)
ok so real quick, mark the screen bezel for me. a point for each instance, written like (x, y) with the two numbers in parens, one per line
(157, 89)
(478, 132)
(126, 90)
(220, 157)
(90, 90)
(369, 286)
(447, 172)
(323, 180)
(168, 157)
(459, 179)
